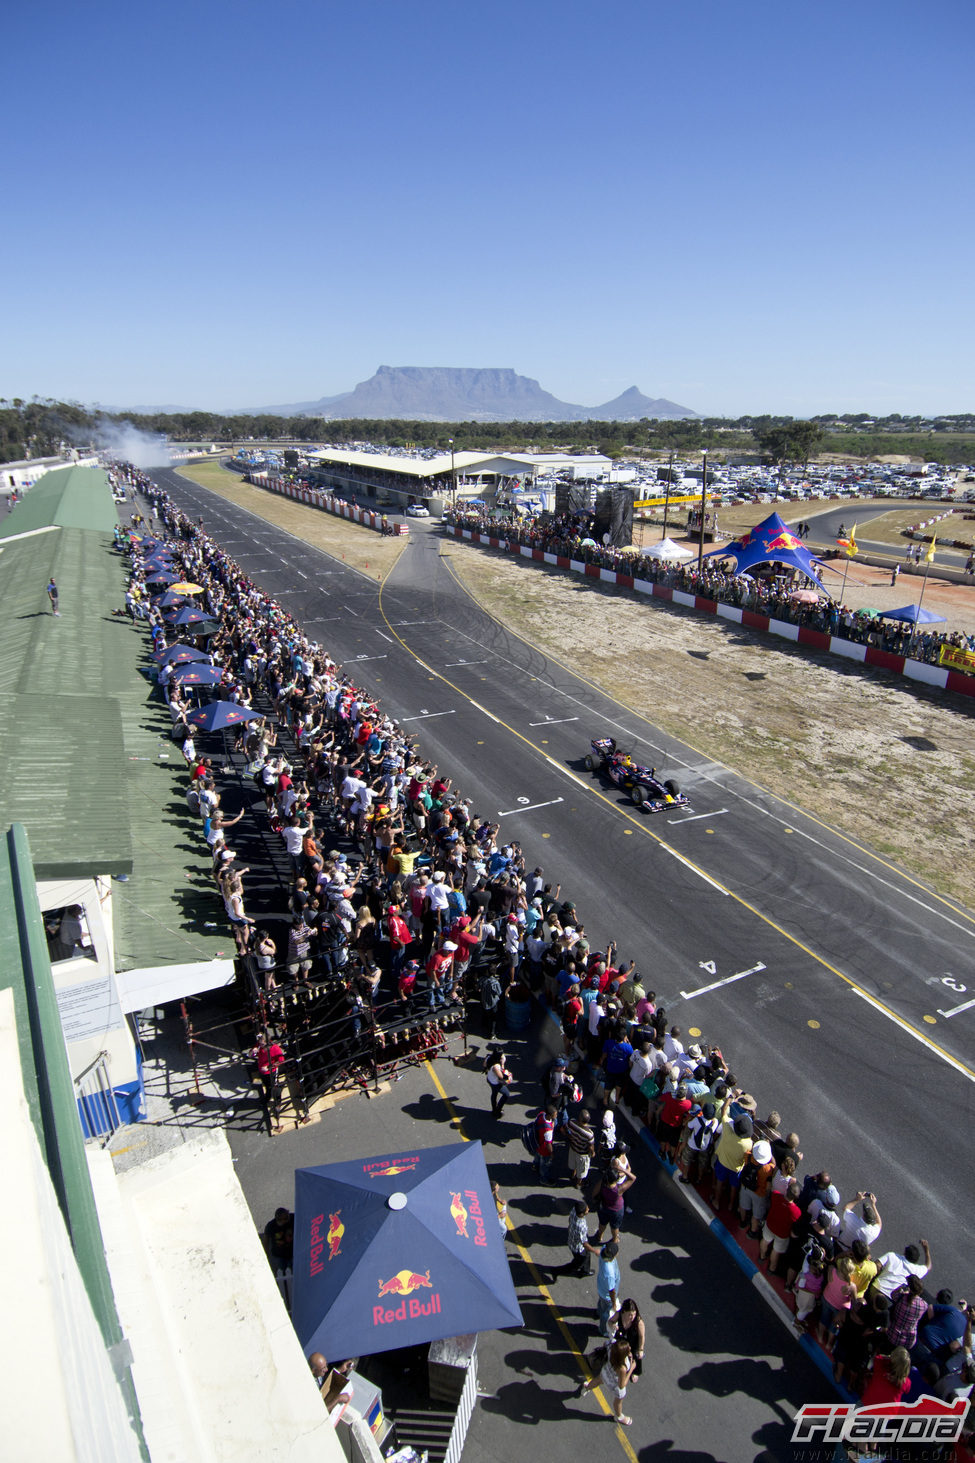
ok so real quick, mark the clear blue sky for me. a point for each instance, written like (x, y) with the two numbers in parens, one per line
(745, 208)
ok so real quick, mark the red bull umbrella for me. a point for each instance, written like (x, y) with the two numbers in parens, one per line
(398, 1250)
(220, 714)
(179, 654)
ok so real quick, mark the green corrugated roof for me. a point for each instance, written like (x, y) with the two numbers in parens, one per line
(86, 762)
(161, 913)
(61, 757)
(68, 497)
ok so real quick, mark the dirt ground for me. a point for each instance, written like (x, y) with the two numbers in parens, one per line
(889, 763)
(361, 547)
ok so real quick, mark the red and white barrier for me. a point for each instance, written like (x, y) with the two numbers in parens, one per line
(915, 670)
(318, 498)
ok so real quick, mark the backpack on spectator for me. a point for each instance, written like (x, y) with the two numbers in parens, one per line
(490, 992)
(529, 1137)
(750, 1175)
(704, 1131)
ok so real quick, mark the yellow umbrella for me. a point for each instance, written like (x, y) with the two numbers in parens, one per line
(186, 589)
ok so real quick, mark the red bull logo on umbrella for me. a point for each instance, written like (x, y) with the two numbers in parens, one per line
(403, 1283)
(336, 1229)
(459, 1213)
(387, 1168)
(466, 1215)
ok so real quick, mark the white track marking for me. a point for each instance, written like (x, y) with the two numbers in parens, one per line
(530, 806)
(688, 865)
(693, 817)
(956, 1010)
(700, 771)
(728, 980)
(917, 1035)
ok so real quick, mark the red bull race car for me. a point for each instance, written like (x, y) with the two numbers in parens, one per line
(649, 793)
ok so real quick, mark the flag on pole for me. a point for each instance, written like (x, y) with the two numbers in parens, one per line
(929, 556)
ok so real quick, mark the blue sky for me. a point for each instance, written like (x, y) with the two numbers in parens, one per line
(742, 208)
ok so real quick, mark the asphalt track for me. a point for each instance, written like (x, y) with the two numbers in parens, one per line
(839, 987)
(826, 526)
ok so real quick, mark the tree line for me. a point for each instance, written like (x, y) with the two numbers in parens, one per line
(44, 427)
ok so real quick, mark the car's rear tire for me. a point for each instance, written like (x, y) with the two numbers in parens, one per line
(590, 765)
(671, 786)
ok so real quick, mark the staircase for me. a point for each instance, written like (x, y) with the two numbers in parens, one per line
(428, 1432)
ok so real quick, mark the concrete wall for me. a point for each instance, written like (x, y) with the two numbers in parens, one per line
(60, 1396)
(87, 991)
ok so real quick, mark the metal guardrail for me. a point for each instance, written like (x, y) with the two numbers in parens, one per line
(97, 1105)
(465, 1409)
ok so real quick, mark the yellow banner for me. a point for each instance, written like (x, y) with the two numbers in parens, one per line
(958, 660)
(674, 498)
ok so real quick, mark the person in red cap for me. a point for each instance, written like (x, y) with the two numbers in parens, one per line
(399, 935)
(512, 946)
(440, 973)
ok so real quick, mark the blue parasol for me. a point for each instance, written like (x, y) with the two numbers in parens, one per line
(186, 616)
(398, 1250)
(192, 673)
(178, 653)
(220, 714)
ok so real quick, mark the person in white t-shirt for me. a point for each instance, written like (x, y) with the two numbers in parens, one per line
(673, 1046)
(293, 836)
(893, 1269)
(866, 1225)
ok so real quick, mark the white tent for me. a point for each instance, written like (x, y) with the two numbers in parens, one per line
(667, 549)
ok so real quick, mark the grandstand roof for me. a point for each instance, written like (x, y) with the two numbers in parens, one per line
(85, 755)
(418, 467)
(68, 497)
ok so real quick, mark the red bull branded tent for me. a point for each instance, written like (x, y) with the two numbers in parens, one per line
(770, 542)
(398, 1250)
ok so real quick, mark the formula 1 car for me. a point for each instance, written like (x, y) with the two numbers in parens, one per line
(642, 783)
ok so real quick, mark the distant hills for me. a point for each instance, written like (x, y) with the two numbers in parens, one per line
(463, 393)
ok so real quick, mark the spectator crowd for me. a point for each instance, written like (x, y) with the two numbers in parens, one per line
(429, 919)
(770, 592)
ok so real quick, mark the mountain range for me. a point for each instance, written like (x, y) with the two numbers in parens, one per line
(463, 393)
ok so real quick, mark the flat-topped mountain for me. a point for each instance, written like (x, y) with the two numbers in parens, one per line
(465, 393)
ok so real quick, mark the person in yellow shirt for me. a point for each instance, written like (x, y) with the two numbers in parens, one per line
(733, 1145)
(864, 1267)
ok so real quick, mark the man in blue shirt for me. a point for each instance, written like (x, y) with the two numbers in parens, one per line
(607, 1284)
(941, 1334)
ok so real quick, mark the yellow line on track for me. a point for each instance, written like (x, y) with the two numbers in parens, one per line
(793, 807)
(647, 832)
(457, 1123)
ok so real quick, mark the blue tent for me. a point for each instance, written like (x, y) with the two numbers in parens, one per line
(220, 714)
(914, 615)
(771, 542)
(398, 1250)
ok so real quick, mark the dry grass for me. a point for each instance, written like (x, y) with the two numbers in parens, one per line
(360, 547)
(888, 764)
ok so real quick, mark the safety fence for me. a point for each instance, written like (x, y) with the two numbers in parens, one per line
(97, 1104)
(327, 502)
(939, 676)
